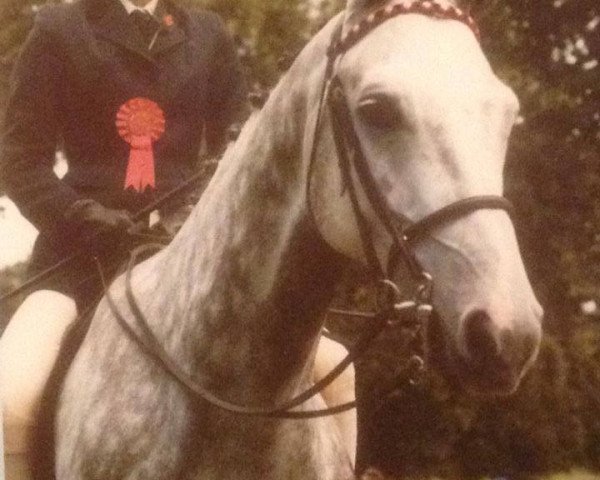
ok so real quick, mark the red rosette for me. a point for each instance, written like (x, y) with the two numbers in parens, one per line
(140, 122)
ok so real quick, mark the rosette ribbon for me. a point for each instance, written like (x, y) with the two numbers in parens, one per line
(140, 122)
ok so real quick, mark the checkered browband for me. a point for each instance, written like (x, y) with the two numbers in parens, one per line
(430, 8)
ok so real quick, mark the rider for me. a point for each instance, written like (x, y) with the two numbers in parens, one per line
(129, 90)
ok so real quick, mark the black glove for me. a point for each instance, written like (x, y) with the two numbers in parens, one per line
(99, 225)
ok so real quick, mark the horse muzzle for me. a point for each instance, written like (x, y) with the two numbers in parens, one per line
(485, 359)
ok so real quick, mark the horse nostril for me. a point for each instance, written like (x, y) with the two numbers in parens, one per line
(481, 341)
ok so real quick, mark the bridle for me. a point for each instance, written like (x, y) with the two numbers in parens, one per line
(403, 232)
(413, 314)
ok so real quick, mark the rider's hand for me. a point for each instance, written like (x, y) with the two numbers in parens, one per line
(106, 225)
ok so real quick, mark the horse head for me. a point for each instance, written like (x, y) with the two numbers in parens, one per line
(432, 121)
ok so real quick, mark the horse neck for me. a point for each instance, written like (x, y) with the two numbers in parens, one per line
(248, 275)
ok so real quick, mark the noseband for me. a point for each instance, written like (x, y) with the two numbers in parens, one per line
(402, 232)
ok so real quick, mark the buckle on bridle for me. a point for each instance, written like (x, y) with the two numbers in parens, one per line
(415, 370)
(425, 289)
(394, 310)
(398, 311)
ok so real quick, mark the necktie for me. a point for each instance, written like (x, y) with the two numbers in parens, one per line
(145, 23)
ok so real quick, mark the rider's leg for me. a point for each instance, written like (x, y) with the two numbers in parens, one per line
(342, 390)
(28, 350)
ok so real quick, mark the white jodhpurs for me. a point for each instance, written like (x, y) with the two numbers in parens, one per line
(342, 390)
(29, 349)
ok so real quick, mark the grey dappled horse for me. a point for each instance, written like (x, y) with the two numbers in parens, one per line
(237, 298)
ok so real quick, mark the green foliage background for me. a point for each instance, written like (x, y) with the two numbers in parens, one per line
(547, 50)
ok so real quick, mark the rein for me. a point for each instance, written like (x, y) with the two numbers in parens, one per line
(413, 314)
(149, 343)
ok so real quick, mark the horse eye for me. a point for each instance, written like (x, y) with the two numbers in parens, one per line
(379, 112)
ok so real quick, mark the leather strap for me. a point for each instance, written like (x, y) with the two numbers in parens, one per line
(418, 230)
(148, 342)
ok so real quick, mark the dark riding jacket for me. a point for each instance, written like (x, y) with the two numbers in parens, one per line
(80, 64)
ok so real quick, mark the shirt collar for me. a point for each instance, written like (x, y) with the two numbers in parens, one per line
(150, 7)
